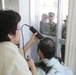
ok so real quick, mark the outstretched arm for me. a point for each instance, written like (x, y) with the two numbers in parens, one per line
(30, 42)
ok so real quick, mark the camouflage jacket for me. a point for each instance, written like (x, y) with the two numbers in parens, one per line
(50, 29)
(64, 29)
(43, 27)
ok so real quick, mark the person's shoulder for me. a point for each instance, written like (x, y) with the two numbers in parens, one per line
(55, 24)
(47, 24)
(41, 23)
(67, 70)
(63, 26)
(57, 68)
(39, 71)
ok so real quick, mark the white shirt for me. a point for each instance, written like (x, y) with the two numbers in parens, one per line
(57, 68)
(11, 61)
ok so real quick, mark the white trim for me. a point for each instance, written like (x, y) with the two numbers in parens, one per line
(62, 41)
(70, 52)
(34, 22)
(3, 4)
(59, 27)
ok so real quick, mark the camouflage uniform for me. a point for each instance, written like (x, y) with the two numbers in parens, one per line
(43, 23)
(50, 29)
(64, 28)
(42, 27)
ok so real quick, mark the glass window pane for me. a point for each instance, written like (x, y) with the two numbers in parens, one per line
(65, 18)
(48, 17)
(64, 26)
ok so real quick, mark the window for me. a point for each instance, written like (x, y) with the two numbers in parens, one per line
(58, 31)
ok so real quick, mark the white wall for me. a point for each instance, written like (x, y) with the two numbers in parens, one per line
(24, 12)
(12, 4)
(27, 12)
(2, 6)
(70, 52)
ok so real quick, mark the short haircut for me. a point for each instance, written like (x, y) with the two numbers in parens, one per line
(51, 14)
(44, 16)
(8, 24)
(47, 47)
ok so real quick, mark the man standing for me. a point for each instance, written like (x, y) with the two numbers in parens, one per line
(43, 23)
(51, 25)
(64, 28)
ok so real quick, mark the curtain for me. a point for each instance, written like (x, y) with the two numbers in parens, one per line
(70, 51)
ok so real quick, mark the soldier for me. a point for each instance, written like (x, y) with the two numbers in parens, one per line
(43, 23)
(64, 28)
(51, 25)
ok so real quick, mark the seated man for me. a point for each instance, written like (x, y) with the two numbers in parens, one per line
(49, 63)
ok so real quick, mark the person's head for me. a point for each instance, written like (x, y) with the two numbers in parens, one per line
(44, 17)
(65, 21)
(51, 16)
(9, 25)
(46, 48)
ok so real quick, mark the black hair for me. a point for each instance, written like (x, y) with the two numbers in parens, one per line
(47, 47)
(8, 24)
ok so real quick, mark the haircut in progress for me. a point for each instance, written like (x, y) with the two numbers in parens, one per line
(47, 47)
(49, 63)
